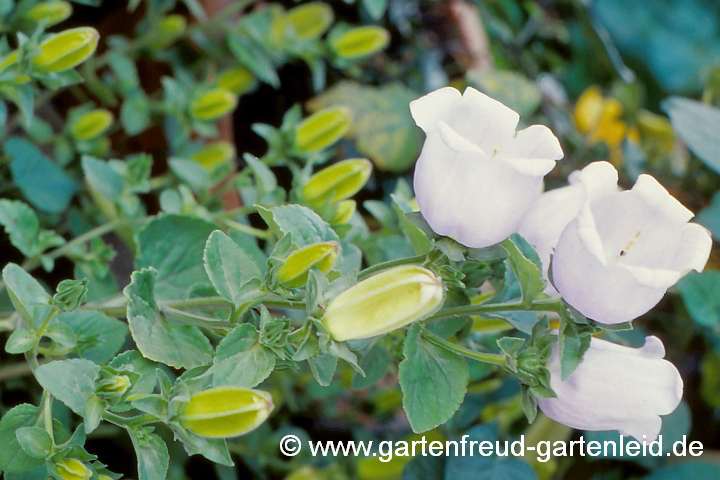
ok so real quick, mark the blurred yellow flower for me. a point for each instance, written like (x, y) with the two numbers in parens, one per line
(601, 119)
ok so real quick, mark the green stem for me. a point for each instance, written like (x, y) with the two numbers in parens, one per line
(392, 263)
(194, 319)
(491, 358)
(255, 232)
(136, 421)
(542, 305)
(233, 213)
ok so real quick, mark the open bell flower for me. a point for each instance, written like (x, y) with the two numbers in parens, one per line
(616, 388)
(617, 257)
(476, 176)
(555, 209)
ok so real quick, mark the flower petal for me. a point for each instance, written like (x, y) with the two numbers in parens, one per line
(533, 151)
(485, 122)
(653, 277)
(599, 178)
(694, 249)
(658, 197)
(428, 109)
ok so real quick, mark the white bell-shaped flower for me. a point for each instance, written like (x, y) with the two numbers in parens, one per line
(616, 388)
(555, 209)
(476, 176)
(616, 259)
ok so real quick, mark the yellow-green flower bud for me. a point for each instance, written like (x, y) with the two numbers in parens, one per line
(236, 79)
(49, 13)
(311, 20)
(72, 469)
(66, 49)
(104, 477)
(169, 28)
(8, 61)
(338, 182)
(384, 302)
(322, 129)
(91, 125)
(213, 104)
(223, 412)
(115, 386)
(294, 272)
(214, 155)
(343, 212)
(360, 42)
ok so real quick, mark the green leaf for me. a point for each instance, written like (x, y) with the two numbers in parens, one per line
(246, 369)
(305, 226)
(526, 265)
(153, 459)
(20, 341)
(99, 337)
(174, 245)
(572, 348)
(135, 113)
(28, 297)
(254, 58)
(13, 458)
(323, 368)
(382, 126)
(192, 173)
(61, 334)
(230, 269)
(710, 216)
(214, 449)
(179, 346)
(375, 8)
(696, 123)
(102, 177)
(433, 382)
(93, 412)
(22, 225)
(240, 360)
(35, 441)
(482, 467)
(375, 364)
(700, 294)
(45, 185)
(70, 381)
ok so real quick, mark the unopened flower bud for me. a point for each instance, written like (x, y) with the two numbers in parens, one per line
(384, 302)
(113, 387)
(236, 79)
(360, 42)
(223, 412)
(8, 61)
(343, 212)
(72, 469)
(70, 294)
(49, 13)
(214, 154)
(66, 49)
(91, 124)
(306, 472)
(322, 129)
(309, 21)
(294, 272)
(213, 104)
(338, 182)
(169, 28)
